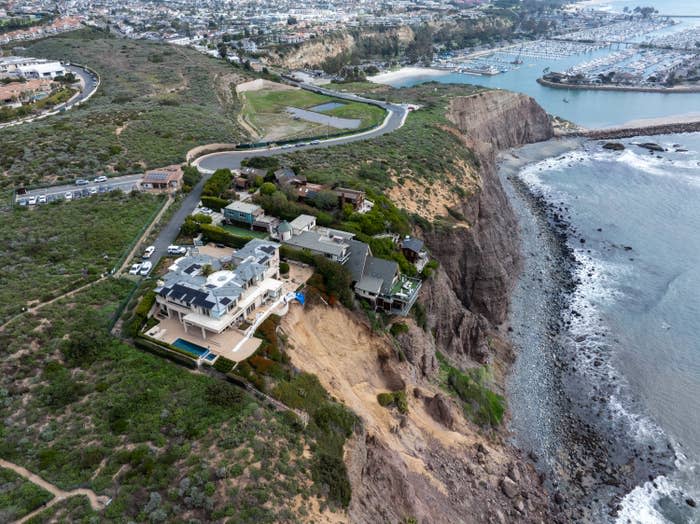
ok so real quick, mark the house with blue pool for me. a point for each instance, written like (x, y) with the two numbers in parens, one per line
(202, 300)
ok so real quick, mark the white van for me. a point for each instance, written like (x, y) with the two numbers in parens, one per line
(176, 250)
(148, 252)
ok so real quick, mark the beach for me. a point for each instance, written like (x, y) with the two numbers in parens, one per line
(422, 74)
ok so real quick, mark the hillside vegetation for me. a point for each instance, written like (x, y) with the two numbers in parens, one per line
(424, 167)
(81, 408)
(155, 103)
(53, 249)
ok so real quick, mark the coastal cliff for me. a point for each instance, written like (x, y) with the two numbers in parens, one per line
(428, 462)
(479, 263)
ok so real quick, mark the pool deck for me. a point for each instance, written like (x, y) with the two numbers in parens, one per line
(170, 329)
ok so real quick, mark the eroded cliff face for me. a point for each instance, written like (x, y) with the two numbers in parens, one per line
(312, 53)
(479, 259)
(429, 464)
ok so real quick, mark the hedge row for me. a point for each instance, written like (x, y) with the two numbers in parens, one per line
(215, 203)
(219, 235)
(165, 350)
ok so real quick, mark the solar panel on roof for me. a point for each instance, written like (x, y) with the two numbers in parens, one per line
(157, 176)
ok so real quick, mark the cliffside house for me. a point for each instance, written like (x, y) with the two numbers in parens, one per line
(247, 176)
(350, 196)
(325, 243)
(380, 281)
(285, 176)
(303, 223)
(376, 280)
(413, 249)
(243, 213)
(167, 178)
(204, 294)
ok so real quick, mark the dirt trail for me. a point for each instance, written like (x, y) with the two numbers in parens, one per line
(40, 305)
(97, 502)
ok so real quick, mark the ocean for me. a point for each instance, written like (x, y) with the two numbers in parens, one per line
(608, 347)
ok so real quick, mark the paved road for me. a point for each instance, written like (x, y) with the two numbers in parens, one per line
(125, 183)
(232, 159)
(89, 84)
(171, 230)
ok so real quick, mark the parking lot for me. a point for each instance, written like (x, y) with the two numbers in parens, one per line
(44, 195)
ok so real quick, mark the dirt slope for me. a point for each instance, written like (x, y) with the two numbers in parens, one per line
(409, 466)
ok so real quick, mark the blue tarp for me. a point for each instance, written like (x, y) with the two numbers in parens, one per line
(300, 298)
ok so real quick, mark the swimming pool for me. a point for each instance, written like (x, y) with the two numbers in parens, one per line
(328, 106)
(189, 347)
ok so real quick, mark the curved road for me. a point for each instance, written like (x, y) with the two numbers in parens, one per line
(207, 164)
(396, 116)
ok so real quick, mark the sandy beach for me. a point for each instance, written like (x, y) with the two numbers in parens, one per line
(422, 73)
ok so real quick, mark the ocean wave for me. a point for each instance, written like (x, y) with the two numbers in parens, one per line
(683, 170)
(663, 499)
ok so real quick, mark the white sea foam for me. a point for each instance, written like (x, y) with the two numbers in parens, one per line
(598, 287)
(639, 505)
(650, 164)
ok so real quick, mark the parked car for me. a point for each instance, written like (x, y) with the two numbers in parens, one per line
(68, 195)
(148, 252)
(81, 182)
(22, 202)
(135, 268)
(93, 190)
(41, 199)
(31, 201)
(315, 142)
(145, 268)
(205, 211)
(176, 250)
(100, 179)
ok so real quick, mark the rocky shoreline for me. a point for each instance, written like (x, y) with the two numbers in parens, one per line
(590, 463)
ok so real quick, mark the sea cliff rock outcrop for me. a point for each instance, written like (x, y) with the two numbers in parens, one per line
(479, 261)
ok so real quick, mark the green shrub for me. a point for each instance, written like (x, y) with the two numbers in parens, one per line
(220, 236)
(215, 203)
(331, 471)
(284, 268)
(385, 399)
(167, 351)
(395, 398)
(218, 184)
(267, 188)
(397, 328)
(223, 365)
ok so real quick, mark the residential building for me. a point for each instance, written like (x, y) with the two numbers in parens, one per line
(27, 67)
(15, 94)
(332, 247)
(212, 295)
(303, 223)
(380, 282)
(167, 178)
(243, 212)
(350, 196)
(285, 176)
